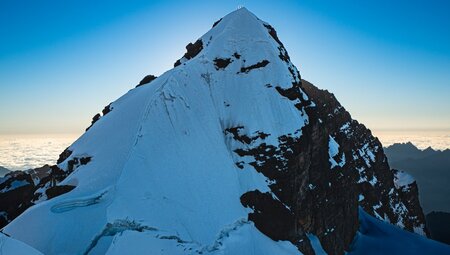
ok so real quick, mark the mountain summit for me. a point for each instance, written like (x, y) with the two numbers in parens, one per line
(229, 152)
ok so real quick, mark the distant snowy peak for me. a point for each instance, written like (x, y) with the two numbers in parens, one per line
(231, 138)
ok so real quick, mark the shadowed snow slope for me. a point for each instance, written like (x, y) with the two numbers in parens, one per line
(11, 246)
(378, 237)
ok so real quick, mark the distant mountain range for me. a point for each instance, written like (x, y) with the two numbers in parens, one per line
(3, 171)
(430, 168)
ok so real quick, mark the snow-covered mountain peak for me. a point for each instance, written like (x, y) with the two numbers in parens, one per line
(241, 40)
(167, 158)
(223, 154)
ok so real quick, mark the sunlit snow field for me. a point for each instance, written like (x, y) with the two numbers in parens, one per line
(20, 152)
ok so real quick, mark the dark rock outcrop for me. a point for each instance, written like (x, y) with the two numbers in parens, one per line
(217, 22)
(221, 63)
(260, 64)
(107, 109)
(64, 155)
(94, 119)
(58, 190)
(430, 168)
(21, 189)
(147, 79)
(192, 50)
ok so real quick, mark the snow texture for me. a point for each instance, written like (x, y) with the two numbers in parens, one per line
(333, 151)
(10, 246)
(378, 237)
(402, 179)
(315, 243)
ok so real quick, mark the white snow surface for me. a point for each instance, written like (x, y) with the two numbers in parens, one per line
(333, 150)
(11, 246)
(162, 163)
(317, 246)
(402, 179)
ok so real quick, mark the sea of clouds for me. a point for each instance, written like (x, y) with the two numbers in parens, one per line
(21, 152)
(422, 139)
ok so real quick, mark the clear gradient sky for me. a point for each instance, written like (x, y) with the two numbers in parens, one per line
(388, 62)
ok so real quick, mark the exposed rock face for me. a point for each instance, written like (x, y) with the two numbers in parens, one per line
(192, 50)
(21, 189)
(107, 109)
(381, 197)
(320, 179)
(147, 79)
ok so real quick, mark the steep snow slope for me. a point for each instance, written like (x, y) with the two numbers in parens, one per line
(159, 158)
(378, 237)
(11, 246)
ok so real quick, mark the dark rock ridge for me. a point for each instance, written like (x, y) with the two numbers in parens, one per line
(147, 79)
(222, 63)
(217, 22)
(260, 64)
(192, 50)
(430, 168)
(21, 189)
(97, 116)
(316, 194)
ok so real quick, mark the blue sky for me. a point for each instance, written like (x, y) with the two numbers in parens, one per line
(388, 62)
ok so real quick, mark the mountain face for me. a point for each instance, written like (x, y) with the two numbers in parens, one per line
(230, 152)
(430, 168)
(407, 151)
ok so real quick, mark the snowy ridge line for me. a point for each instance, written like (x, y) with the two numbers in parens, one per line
(139, 128)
